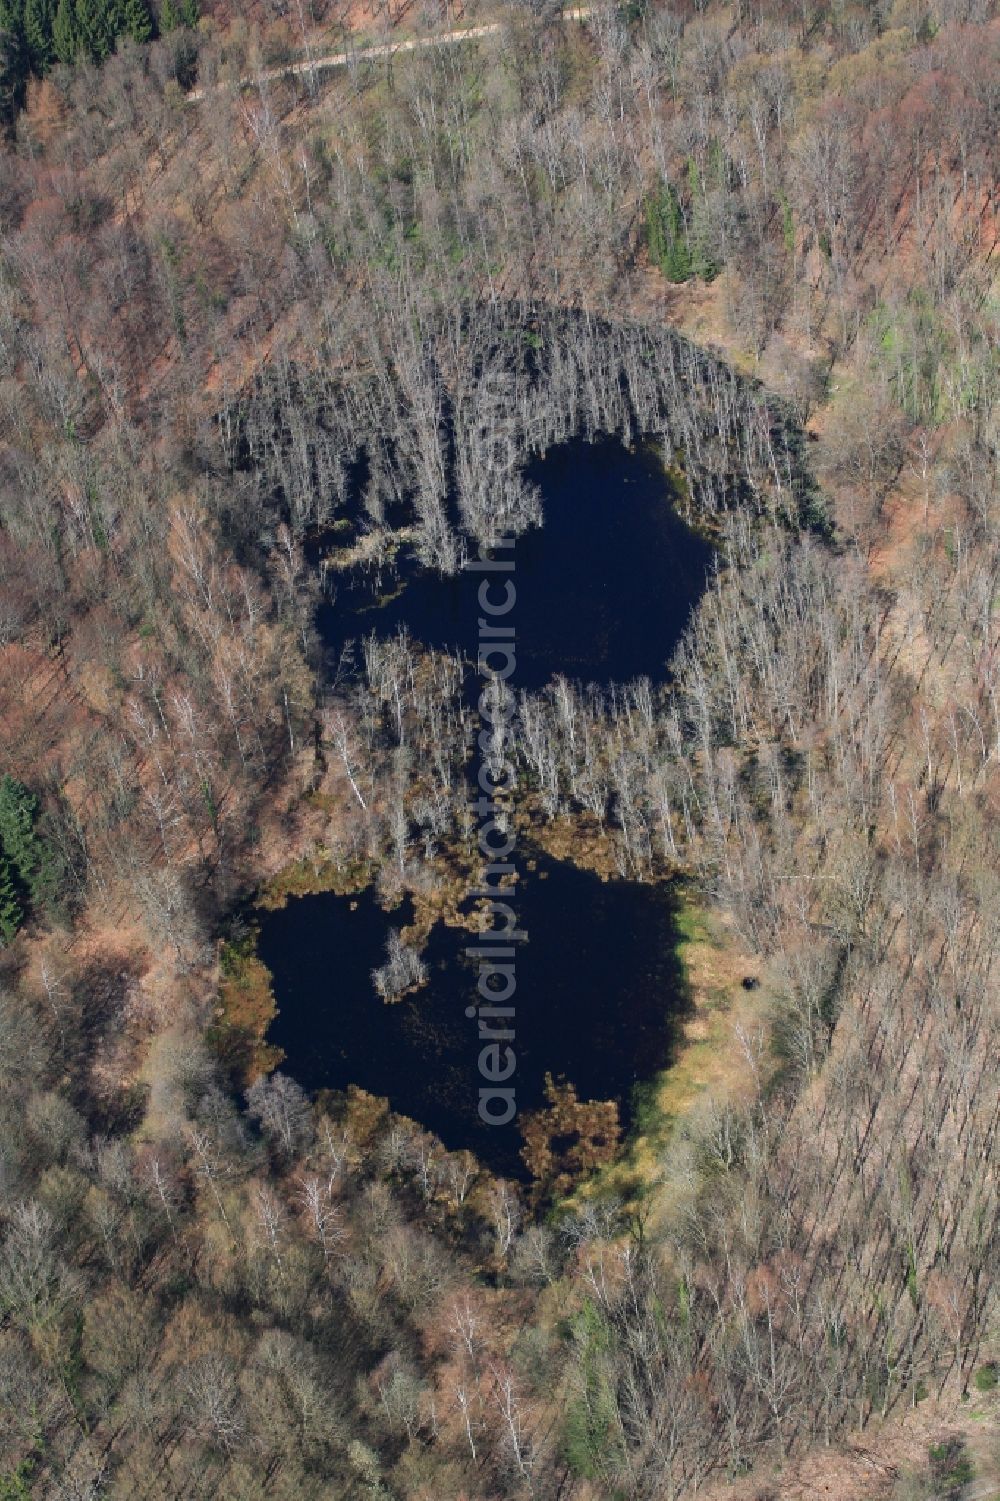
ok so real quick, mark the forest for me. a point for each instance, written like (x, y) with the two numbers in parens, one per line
(266, 318)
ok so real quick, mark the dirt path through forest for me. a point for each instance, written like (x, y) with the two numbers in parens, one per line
(314, 65)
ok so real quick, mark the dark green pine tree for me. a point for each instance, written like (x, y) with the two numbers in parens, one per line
(11, 79)
(18, 810)
(39, 16)
(94, 31)
(64, 38)
(12, 17)
(22, 848)
(138, 21)
(704, 262)
(11, 912)
(666, 234)
(113, 19)
(174, 13)
(13, 58)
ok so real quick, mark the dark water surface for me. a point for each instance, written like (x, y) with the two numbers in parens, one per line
(598, 982)
(604, 587)
(604, 590)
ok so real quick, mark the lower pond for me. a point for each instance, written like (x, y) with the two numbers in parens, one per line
(598, 984)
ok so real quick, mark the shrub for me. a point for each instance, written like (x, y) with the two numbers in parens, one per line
(951, 1468)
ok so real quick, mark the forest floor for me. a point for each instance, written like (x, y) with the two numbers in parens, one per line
(863, 1468)
(725, 1023)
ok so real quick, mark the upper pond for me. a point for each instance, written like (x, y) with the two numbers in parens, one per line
(604, 590)
(597, 984)
(604, 587)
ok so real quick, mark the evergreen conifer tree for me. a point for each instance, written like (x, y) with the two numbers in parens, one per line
(11, 912)
(95, 34)
(11, 77)
(12, 17)
(137, 19)
(13, 58)
(704, 261)
(666, 234)
(64, 38)
(113, 15)
(25, 852)
(38, 22)
(18, 808)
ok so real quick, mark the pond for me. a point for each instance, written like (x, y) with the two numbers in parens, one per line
(604, 590)
(598, 983)
(604, 587)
